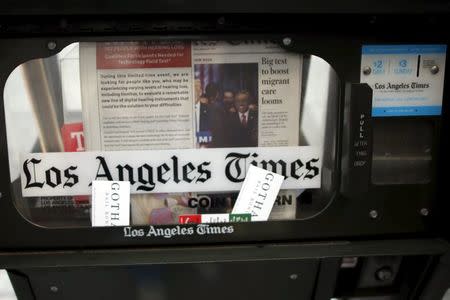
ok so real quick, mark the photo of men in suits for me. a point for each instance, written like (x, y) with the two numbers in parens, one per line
(226, 105)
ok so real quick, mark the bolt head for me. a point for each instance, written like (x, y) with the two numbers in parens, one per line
(51, 45)
(384, 274)
(434, 70)
(373, 214)
(54, 289)
(287, 41)
(424, 212)
(367, 70)
(221, 20)
(293, 276)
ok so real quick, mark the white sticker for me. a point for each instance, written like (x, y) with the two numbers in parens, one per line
(110, 203)
(215, 218)
(258, 193)
(407, 80)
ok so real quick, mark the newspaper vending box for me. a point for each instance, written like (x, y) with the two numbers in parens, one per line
(201, 155)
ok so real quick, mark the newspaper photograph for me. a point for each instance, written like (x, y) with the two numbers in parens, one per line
(226, 107)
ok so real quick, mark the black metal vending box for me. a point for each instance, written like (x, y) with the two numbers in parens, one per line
(143, 143)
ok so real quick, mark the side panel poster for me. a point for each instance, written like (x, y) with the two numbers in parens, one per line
(407, 80)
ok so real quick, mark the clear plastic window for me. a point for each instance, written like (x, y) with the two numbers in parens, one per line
(151, 95)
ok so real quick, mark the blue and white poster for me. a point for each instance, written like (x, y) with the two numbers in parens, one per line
(407, 80)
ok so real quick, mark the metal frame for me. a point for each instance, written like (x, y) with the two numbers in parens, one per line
(334, 31)
(222, 253)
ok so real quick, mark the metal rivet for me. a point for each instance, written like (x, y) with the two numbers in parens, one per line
(373, 214)
(384, 274)
(424, 212)
(434, 70)
(287, 41)
(293, 276)
(367, 70)
(221, 21)
(51, 45)
(54, 288)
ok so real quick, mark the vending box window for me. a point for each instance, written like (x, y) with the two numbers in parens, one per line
(180, 120)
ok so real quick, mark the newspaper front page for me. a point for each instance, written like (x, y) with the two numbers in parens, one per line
(199, 94)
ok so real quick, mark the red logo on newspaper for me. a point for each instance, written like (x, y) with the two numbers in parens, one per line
(145, 54)
(190, 219)
(73, 138)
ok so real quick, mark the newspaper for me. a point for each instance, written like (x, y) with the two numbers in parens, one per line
(181, 94)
